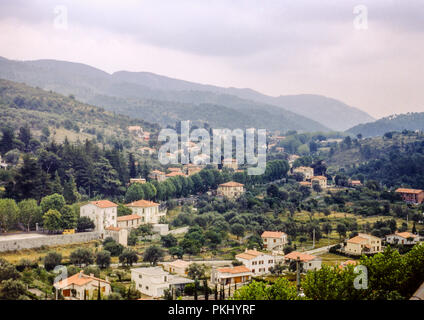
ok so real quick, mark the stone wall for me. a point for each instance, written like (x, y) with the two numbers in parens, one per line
(52, 240)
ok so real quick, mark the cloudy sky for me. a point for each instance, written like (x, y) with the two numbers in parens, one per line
(366, 53)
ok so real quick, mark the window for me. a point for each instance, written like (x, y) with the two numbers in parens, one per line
(140, 276)
(147, 287)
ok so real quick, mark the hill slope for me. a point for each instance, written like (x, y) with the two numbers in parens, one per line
(409, 121)
(63, 116)
(95, 86)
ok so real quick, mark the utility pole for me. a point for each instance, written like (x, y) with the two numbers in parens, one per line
(298, 275)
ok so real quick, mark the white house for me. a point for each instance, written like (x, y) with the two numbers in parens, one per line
(274, 240)
(153, 281)
(403, 238)
(231, 275)
(73, 288)
(103, 213)
(147, 210)
(258, 262)
(363, 243)
(131, 221)
(308, 261)
(307, 172)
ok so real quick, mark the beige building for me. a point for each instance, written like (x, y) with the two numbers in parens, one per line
(177, 266)
(230, 189)
(309, 262)
(320, 180)
(363, 243)
(307, 172)
(403, 238)
(231, 275)
(157, 175)
(129, 221)
(230, 163)
(103, 213)
(258, 262)
(191, 169)
(147, 210)
(274, 240)
(137, 180)
(81, 286)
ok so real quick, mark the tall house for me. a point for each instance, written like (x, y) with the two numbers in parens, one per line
(363, 243)
(147, 210)
(274, 240)
(230, 189)
(411, 195)
(103, 213)
(307, 172)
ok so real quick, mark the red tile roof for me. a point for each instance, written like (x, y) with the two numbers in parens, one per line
(304, 257)
(272, 234)
(405, 190)
(128, 217)
(142, 204)
(78, 279)
(104, 204)
(238, 269)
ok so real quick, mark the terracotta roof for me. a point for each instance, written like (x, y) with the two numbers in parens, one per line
(272, 234)
(231, 184)
(405, 190)
(319, 178)
(142, 204)
(78, 279)
(348, 262)
(111, 228)
(355, 182)
(238, 269)
(175, 173)
(128, 217)
(304, 257)
(406, 235)
(249, 254)
(357, 239)
(305, 183)
(174, 169)
(104, 204)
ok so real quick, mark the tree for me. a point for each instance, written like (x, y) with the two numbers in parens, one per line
(238, 230)
(7, 270)
(84, 223)
(29, 212)
(52, 220)
(168, 241)
(341, 229)
(54, 202)
(135, 192)
(81, 256)
(128, 257)
(51, 260)
(69, 218)
(103, 259)
(153, 254)
(12, 290)
(281, 289)
(327, 228)
(70, 192)
(8, 213)
(176, 252)
(196, 271)
(113, 247)
(123, 210)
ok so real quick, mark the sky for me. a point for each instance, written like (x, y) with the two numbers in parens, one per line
(368, 53)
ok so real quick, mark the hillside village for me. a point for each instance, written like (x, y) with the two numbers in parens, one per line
(126, 227)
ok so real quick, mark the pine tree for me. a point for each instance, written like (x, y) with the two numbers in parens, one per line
(131, 166)
(56, 186)
(70, 192)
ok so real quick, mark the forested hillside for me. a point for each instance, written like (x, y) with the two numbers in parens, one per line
(409, 121)
(53, 116)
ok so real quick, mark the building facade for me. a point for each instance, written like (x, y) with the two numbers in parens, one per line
(81, 286)
(411, 195)
(307, 172)
(103, 213)
(274, 240)
(230, 189)
(231, 275)
(147, 210)
(363, 243)
(258, 263)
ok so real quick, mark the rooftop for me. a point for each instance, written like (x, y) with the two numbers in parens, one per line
(104, 204)
(128, 217)
(231, 184)
(142, 204)
(272, 234)
(304, 257)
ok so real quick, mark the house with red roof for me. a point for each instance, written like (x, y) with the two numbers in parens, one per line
(148, 211)
(274, 240)
(102, 212)
(363, 243)
(411, 195)
(402, 238)
(309, 262)
(258, 262)
(230, 189)
(231, 275)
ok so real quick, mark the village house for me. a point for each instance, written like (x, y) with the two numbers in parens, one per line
(137, 180)
(157, 175)
(230, 163)
(147, 210)
(258, 262)
(120, 235)
(177, 266)
(354, 183)
(174, 174)
(309, 262)
(320, 180)
(274, 240)
(153, 281)
(136, 130)
(131, 221)
(307, 172)
(363, 243)
(81, 287)
(402, 238)
(230, 189)
(231, 275)
(191, 169)
(103, 213)
(411, 195)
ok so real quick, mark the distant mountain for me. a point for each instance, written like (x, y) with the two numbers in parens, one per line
(165, 100)
(409, 121)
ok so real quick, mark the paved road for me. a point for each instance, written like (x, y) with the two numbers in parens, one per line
(319, 250)
(215, 263)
